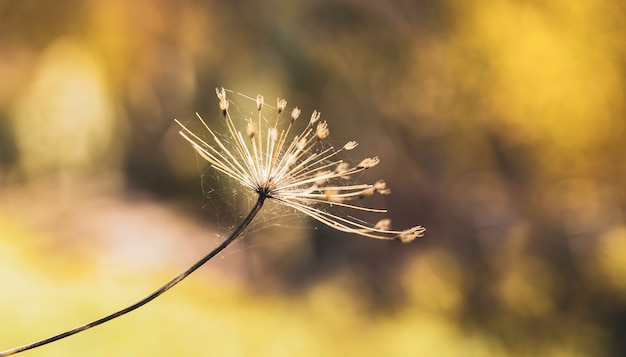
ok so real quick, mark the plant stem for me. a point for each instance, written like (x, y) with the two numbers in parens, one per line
(236, 233)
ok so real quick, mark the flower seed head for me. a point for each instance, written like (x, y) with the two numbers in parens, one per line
(315, 117)
(322, 178)
(412, 233)
(221, 95)
(368, 162)
(381, 187)
(250, 129)
(301, 144)
(384, 224)
(350, 145)
(281, 104)
(295, 113)
(322, 130)
(341, 169)
(332, 195)
(259, 102)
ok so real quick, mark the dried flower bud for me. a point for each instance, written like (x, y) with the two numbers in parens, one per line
(350, 145)
(295, 113)
(412, 233)
(341, 168)
(384, 224)
(368, 162)
(250, 130)
(281, 104)
(301, 143)
(332, 195)
(315, 117)
(221, 95)
(321, 177)
(259, 102)
(381, 187)
(322, 130)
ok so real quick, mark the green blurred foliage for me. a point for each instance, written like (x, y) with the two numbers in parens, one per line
(499, 124)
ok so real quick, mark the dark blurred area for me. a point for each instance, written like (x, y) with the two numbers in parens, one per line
(499, 125)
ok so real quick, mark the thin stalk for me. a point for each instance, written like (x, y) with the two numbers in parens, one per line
(236, 233)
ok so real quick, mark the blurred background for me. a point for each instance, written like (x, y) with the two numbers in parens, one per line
(499, 125)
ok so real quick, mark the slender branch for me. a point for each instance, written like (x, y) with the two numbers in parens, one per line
(154, 295)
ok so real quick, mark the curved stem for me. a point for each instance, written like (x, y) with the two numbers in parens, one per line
(154, 295)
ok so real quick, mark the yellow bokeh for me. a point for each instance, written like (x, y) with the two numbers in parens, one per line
(554, 80)
(435, 281)
(64, 119)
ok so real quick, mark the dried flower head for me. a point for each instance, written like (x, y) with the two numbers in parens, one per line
(295, 170)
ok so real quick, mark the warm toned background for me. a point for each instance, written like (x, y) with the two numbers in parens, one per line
(500, 126)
